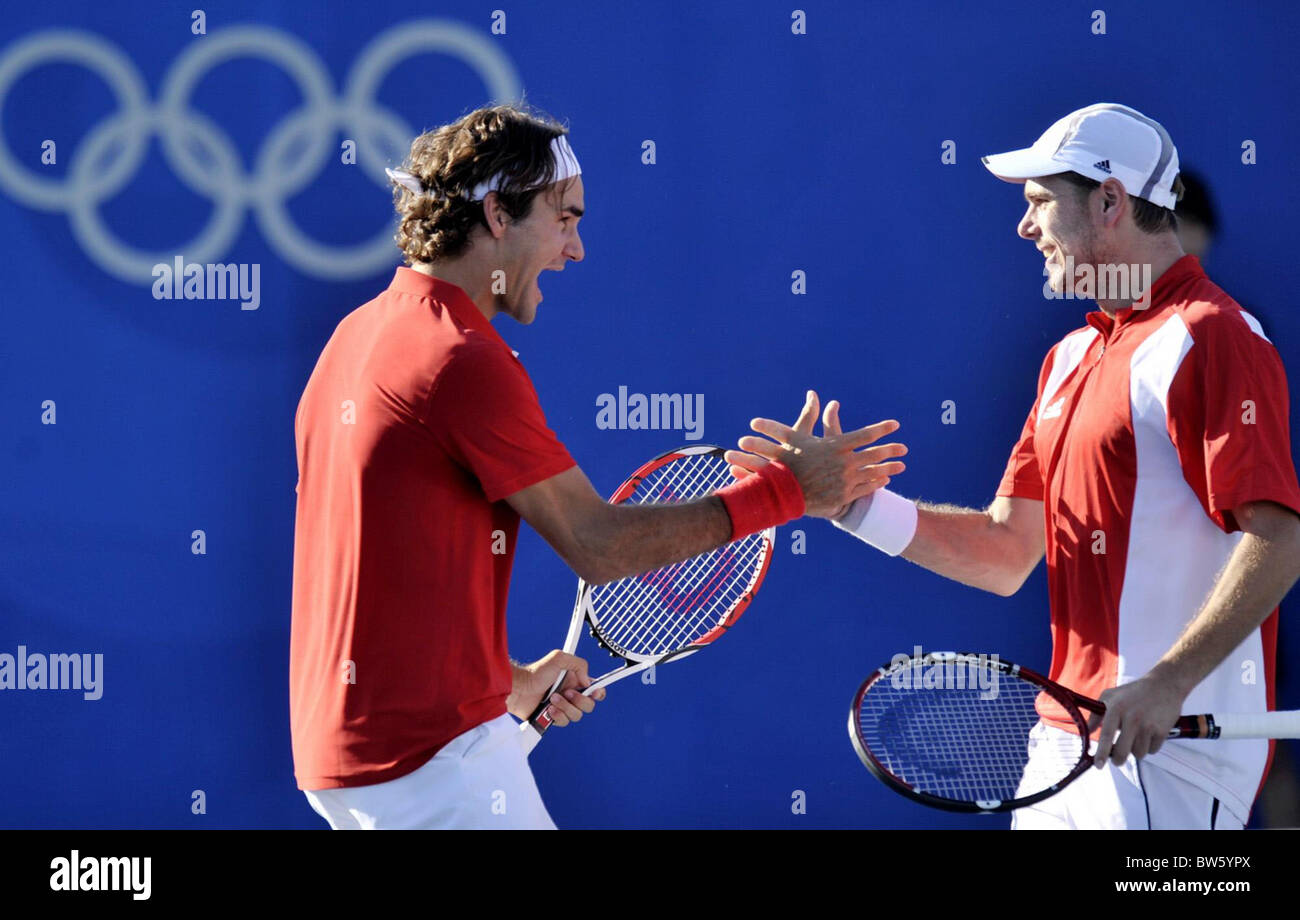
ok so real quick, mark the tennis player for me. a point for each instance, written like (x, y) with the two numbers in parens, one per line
(420, 444)
(1154, 471)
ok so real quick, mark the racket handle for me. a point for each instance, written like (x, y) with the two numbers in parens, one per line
(1202, 726)
(539, 720)
(1238, 725)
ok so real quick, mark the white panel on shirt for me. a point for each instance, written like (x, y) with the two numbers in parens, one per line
(1255, 327)
(1175, 554)
(1069, 352)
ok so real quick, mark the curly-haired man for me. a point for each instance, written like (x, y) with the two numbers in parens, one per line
(420, 445)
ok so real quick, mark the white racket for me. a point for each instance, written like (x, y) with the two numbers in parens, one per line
(671, 612)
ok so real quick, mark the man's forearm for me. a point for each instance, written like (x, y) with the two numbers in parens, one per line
(639, 538)
(968, 546)
(1258, 575)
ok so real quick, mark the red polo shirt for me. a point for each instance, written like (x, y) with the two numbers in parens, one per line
(1149, 429)
(417, 421)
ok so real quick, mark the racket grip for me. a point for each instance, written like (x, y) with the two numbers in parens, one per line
(1239, 725)
(1202, 726)
(539, 720)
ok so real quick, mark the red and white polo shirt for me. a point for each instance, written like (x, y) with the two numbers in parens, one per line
(1148, 430)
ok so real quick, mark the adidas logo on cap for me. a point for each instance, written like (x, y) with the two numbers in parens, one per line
(1103, 165)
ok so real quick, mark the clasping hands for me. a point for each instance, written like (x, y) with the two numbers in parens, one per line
(832, 470)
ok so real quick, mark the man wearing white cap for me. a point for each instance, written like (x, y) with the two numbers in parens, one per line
(1153, 471)
(421, 444)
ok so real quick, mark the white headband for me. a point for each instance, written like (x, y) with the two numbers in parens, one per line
(566, 167)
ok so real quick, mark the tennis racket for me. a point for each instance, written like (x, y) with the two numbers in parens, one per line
(952, 730)
(671, 612)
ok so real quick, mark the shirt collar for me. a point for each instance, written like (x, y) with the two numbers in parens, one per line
(1162, 289)
(1185, 269)
(409, 281)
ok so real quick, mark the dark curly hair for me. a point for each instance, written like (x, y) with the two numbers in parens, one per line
(450, 161)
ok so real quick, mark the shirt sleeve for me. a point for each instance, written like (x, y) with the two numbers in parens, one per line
(484, 412)
(1023, 476)
(1228, 417)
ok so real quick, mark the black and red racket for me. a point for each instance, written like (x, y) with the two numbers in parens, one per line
(674, 611)
(952, 730)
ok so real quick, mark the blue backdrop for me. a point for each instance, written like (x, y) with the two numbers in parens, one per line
(775, 152)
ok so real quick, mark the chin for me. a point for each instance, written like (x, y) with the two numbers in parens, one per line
(525, 314)
(522, 313)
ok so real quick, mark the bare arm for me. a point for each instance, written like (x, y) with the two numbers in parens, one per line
(603, 542)
(994, 550)
(1260, 571)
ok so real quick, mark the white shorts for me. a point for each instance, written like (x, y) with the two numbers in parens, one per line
(479, 781)
(1137, 795)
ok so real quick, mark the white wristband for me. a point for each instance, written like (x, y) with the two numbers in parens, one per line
(883, 519)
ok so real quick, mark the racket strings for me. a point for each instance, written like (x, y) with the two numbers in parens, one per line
(969, 744)
(677, 607)
(697, 600)
(668, 609)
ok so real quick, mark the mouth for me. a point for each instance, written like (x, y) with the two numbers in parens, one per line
(537, 279)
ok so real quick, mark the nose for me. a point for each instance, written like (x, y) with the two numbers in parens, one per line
(573, 250)
(1027, 228)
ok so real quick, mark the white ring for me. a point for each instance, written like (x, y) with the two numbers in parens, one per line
(97, 55)
(294, 57)
(188, 136)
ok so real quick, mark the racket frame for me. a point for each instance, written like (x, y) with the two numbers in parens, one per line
(584, 613)
(1202, 726)
(1070, 701)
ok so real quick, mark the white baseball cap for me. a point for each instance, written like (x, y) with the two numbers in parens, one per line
(1101, 141)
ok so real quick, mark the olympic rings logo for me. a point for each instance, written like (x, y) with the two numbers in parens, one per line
(276, 176)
